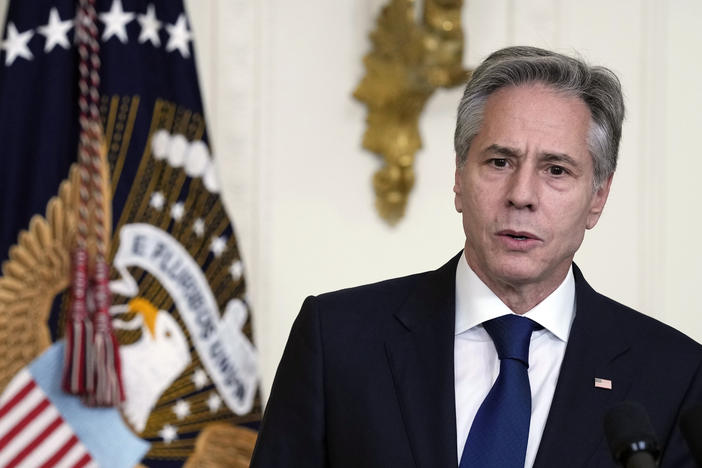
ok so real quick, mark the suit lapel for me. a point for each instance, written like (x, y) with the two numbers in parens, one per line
(596, 348)
(420, 355)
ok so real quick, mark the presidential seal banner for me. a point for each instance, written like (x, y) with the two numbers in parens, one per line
(179, 306)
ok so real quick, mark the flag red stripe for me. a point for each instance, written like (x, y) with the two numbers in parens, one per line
(83, 461)
(19, 427)
(7, 407)
(36, 442)
(60, 452)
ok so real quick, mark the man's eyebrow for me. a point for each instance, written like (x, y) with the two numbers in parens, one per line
(560, 158)
(503, 150)
(507, 151)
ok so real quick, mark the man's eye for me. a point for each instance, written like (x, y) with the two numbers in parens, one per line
(556, 170)
(499, 162)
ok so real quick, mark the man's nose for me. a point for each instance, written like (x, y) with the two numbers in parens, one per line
(523, 189)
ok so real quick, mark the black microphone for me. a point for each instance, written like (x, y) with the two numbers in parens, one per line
(691, 428)
(631, 438)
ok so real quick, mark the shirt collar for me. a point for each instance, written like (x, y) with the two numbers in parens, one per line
(476, 303)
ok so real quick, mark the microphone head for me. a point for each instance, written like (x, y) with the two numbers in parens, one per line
(691, 428)
(629, 431)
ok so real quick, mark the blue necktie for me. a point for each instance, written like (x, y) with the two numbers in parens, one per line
(500, 431)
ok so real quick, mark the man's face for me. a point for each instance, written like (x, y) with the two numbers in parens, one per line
(526, 189)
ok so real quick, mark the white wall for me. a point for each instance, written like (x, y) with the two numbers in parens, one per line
(300, 189)
(680, 176)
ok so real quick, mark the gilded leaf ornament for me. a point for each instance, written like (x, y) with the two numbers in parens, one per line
(410, 59)
(38, 268)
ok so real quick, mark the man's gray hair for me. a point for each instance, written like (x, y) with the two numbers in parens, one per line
(598, 87)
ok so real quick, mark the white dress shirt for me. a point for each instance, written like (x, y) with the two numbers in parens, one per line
(476, 364)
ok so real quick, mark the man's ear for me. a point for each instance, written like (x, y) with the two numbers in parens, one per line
(598, 202)
(457, 190)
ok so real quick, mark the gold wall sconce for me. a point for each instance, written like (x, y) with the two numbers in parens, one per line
(410, 59)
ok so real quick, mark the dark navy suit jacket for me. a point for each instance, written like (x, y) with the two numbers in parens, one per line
(367, 380)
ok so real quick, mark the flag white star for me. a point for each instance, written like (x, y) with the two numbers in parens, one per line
(179, 36)
(149, 26)
(177, 211)
(16, 44)
(199, 378)
(199, 227)
(181, 409)
(214, 402)
(236, 270)
(168, 433)
(55, 31)
(116, 22)
(218, 245)
(157, 201)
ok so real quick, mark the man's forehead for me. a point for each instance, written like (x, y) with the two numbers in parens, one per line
(534, 118)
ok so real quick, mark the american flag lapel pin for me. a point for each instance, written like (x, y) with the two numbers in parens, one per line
(603, 383)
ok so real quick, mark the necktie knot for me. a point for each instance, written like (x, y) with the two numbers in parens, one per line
(511, 335)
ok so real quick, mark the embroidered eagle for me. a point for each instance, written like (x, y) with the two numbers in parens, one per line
(171, 396)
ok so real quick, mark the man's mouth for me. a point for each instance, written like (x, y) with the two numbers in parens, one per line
(518, 235)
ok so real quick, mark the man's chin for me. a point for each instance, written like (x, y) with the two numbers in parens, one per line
(518, 277)
(518, 273)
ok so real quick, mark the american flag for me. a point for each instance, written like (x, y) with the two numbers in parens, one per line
(40, 426)
(603, 383)
(32, 431)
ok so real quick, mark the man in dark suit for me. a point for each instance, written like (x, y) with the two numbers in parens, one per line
(505, 356)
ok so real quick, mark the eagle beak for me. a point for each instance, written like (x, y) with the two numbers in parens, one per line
(147, 310)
